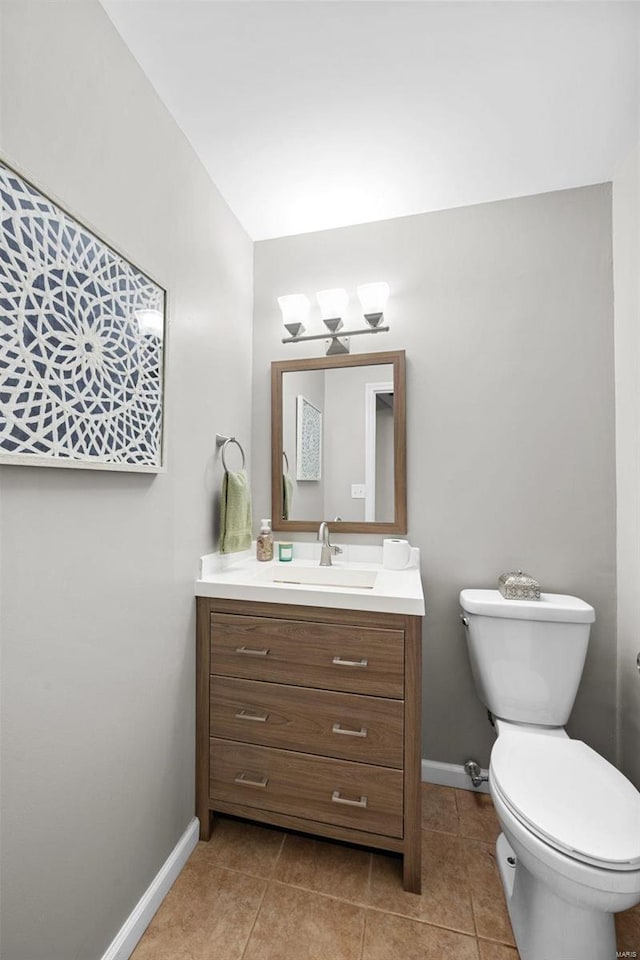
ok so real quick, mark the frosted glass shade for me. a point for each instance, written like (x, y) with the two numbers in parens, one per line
(332, 302)
(373, 297)
(150, 321)
(295, 308)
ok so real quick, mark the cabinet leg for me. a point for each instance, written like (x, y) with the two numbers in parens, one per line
(411, 869)
(205, 824)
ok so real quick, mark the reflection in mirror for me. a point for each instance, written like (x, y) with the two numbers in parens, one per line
(338, 418)
(338, 443)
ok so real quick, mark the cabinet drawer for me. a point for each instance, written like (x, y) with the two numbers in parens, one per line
(351, 726)
(315, 788)
(322, 655)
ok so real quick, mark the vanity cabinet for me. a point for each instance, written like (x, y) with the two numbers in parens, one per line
(309, 718)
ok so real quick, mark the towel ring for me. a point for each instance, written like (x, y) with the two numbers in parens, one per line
(224, 447)
(286, 460)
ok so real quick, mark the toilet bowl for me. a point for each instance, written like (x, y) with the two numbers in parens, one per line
(569, 851)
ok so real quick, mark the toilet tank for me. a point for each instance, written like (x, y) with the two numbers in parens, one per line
(527, 657)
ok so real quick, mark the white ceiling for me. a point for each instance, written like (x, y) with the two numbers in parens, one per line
(311, 115)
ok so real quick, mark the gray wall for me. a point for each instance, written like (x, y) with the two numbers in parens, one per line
(626, 256)
(344, 442)
(98, 568)
(505, 311)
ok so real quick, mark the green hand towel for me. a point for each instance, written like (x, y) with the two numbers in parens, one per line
(287, 495)
(235, 512)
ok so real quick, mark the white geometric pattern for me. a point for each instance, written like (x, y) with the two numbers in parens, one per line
(78, 378)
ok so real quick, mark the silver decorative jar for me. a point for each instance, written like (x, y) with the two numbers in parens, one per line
(518, 586)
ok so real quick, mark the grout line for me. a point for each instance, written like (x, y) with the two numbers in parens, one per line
(364, 930)
(473, 913)
(447, 833)
(255, 919)
(223, 866)
(427, 923)
(371, 907)
(458, 815)
(470, 894)
(503, 943)
(264, 892)
(279, 854)
(322, 893)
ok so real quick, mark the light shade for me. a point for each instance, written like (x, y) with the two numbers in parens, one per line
(373, 297)
(332, 302)
(295, 308)
(150, 322)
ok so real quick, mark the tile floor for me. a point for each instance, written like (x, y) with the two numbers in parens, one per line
(255, 893)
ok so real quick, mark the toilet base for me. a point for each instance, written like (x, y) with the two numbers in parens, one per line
(547, 927)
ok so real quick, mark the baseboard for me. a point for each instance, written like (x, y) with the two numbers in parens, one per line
(140, 917)
(451, 775)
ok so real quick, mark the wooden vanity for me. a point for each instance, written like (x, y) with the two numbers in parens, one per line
(309, 718)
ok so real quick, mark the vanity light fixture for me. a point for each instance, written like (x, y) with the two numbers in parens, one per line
(295, 310)
(373, 297)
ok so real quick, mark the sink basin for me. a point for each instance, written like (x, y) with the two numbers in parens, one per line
(322, 576)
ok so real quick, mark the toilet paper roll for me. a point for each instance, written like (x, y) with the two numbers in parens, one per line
(395, 554)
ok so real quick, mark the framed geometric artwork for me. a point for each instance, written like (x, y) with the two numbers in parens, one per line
(82, 342)
(308, 440)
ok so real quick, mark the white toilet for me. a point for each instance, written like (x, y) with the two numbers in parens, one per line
(569, 853)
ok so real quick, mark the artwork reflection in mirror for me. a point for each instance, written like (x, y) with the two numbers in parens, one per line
(308, 440)
(340, 423)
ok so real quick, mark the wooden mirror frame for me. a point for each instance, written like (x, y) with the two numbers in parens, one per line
(280, 367)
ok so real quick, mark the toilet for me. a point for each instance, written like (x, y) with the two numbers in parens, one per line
(569, 851)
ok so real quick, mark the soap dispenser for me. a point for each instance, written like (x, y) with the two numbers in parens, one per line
(264, 543)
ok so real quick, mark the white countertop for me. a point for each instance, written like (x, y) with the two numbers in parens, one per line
(240, 576)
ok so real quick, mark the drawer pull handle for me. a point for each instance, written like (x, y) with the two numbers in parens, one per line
(362, 732)
(246, 781)
(336, 798)
(258, 717)
(252, 653)
(350, 663)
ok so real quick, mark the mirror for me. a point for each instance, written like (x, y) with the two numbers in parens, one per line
(338, 443)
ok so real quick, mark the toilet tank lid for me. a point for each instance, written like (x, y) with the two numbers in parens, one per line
(550, 606)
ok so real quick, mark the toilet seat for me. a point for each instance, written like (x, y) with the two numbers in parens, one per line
(570, 797)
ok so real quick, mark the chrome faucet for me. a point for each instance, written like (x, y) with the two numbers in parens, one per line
(328, 550)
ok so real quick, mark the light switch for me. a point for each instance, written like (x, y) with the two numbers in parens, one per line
(358, 491)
